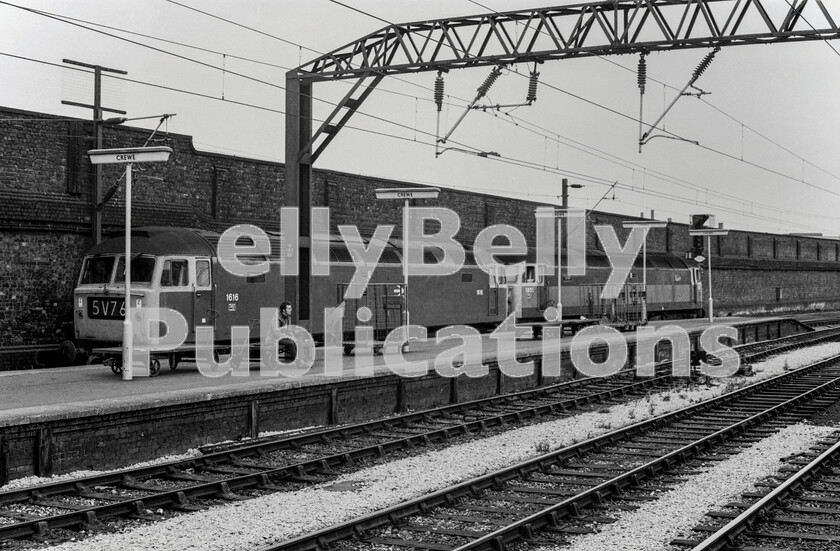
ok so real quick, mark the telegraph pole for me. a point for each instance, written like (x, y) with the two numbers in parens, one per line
(96, 211)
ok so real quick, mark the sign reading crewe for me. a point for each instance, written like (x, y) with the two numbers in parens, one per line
(407, 193)
(130, 155)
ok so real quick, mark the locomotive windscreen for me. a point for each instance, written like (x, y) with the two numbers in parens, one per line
(97, 270)
(142, 268)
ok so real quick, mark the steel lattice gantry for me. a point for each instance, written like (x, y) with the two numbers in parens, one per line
(536, 35)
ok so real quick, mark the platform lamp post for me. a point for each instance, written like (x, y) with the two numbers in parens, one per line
(406, 195)
(128, 156)
(564, 205)
(564, 192)
(709, 232)
(630, 224)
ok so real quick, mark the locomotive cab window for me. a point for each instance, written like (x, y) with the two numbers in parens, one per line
(534, 273)
(503, 277)
(202, 273)
(530, 275)
(142, 269)
(175, 273)
(97, 270)
(505, 274)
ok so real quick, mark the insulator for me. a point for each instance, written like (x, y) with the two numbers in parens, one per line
(488, 82)
(642, 73)
(705, 63)
(439, 91)
(532, 87)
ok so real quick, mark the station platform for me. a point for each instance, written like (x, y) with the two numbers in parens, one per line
(60, 419)
(32, 395)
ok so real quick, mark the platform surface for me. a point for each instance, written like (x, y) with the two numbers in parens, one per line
(44, 394)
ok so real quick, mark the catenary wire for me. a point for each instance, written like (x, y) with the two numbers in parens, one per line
(733, 118)
(506, 160)
(580, 98)
(278, 111)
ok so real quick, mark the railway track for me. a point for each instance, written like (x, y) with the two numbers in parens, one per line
(757, 351)
(309, 457)
(821, 321)
(241, 471)
(799, 512)
(548, 498)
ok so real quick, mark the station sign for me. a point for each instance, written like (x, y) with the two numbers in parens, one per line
(407, 193)
(644, 224)
(130, 155)
(708, 232)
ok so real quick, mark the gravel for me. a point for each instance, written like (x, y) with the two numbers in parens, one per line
(656, 523)
(249, 524)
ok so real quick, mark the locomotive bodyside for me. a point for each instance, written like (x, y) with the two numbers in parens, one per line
(673, 288)
(179, 268)
(465, 297)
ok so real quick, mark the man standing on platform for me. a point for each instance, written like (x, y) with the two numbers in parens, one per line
(284, 321)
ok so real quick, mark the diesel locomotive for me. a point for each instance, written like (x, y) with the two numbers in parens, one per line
(179, 268)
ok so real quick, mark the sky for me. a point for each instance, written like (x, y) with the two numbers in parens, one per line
(768, 127)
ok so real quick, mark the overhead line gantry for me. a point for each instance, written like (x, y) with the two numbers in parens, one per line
(523, 36)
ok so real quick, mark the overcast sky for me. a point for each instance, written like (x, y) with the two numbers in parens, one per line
(768, 130)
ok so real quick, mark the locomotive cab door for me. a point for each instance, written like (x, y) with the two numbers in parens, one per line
(525, 285)
(532, 290)
(203, 312)
(696, 286)
(507, 277)
(493, 295)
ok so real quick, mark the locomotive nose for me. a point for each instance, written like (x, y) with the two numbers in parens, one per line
(99, 312)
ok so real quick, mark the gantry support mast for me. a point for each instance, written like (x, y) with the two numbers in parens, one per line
(537, 35)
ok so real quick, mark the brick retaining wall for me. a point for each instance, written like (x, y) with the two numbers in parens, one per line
(117, 436)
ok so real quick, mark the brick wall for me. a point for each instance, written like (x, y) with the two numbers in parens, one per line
(39, 270)
(45, 191)
(743, 286)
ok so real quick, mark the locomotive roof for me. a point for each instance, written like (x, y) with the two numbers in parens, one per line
(655, 259)
(599, 258)
(159, 241)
